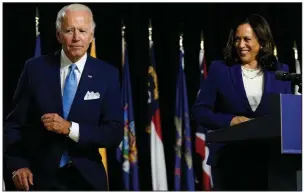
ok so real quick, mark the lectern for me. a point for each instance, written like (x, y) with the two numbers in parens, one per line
(283, 122)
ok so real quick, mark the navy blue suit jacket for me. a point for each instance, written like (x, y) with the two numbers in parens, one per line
(222, 97)
(28, 144)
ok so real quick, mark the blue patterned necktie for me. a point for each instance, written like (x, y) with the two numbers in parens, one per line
(69, 91)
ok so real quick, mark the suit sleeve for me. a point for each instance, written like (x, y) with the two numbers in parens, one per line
(203, 109)
(110, 131)
(15, 124)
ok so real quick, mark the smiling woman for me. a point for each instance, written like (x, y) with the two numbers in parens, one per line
(237, 90)
(250, 43)
(247, 46)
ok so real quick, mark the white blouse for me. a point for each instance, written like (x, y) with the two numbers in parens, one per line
(253, 80)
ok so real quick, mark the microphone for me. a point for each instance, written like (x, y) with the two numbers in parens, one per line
(285, 76)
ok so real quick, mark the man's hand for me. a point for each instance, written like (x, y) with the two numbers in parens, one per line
(23, 178)
(238, 119)
(53, 122)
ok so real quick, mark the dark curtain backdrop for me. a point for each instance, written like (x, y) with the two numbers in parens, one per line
(168, 20)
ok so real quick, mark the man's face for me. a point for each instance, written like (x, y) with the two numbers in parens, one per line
(76, 34)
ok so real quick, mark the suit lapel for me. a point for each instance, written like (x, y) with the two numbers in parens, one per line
(268, 81)
(83, 86)
(236, 75)
(54, 82)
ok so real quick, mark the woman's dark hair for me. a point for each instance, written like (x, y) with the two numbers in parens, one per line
(265, 57)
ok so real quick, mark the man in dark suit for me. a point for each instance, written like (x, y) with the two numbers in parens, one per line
(67, 105)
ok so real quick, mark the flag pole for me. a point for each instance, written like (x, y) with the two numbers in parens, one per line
(150, 33)
(203, 67)
(38, 43)
(295, 50)
(123, 28)
(181, 40)
(202, 40)
(37, 22)
(181, 47)
(148, 128)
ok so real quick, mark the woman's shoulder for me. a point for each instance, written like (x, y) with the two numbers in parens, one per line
(283, 67)
(218, 65)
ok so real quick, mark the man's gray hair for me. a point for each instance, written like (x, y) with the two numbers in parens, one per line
(72, 7)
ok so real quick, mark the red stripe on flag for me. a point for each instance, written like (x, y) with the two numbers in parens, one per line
(206, 182)
(200, 146)
(205, 67)
(156, 121)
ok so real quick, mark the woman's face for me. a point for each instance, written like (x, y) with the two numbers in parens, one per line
(246, 44)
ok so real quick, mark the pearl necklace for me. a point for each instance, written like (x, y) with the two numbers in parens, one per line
(251, 73)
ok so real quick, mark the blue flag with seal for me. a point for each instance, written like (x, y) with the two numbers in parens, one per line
(127, 153)
(184, 175)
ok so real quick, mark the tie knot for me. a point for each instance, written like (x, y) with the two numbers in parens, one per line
(73, 67)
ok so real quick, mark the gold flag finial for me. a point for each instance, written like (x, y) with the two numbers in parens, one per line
(275, 51)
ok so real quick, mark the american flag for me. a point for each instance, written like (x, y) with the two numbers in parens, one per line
(200, 140)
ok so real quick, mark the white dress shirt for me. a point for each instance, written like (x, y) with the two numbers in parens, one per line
(254, 84)
(64, 70)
